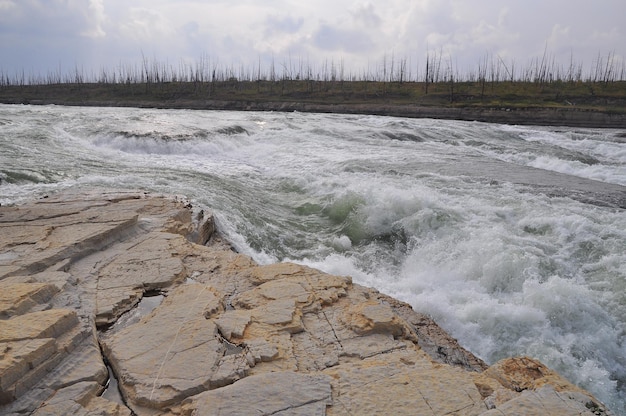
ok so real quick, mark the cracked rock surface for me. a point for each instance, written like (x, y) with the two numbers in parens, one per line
(227, 336)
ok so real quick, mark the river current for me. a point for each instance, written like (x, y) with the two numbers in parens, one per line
(512, 238)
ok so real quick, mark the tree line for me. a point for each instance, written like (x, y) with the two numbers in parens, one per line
(437, 67)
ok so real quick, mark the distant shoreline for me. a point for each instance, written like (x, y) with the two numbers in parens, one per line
(404, 102)
(527, 116)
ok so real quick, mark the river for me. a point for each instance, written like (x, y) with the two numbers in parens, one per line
(512, 238)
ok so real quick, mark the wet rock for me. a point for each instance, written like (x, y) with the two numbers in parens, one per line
(230, 336)
(432, 339)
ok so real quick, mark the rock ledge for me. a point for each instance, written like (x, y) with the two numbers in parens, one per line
(189, 327)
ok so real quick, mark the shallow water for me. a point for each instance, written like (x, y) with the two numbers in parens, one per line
(511, 237)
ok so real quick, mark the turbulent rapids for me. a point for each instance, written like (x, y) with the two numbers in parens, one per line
(511, 238)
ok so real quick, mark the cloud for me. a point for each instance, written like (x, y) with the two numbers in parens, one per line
(191, 28)
(41, 33)
(7, 5)
(39, 19)
(96, 17)
(329, 38)
(366, 15)
(285, 24)
(145, 25)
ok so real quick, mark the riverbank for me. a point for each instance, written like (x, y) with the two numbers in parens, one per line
(226, 335)
(604, 107)
(220, 334)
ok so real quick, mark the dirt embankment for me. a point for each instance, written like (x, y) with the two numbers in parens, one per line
(604, 113)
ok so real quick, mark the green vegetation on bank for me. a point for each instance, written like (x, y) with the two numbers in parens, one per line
(598, 96)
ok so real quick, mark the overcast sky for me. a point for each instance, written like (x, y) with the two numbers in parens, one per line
(43, 35)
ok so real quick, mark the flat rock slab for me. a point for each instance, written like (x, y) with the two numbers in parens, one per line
(172, 353)
(151, 265)
(277, 393)
(229, 336)
(416, 385)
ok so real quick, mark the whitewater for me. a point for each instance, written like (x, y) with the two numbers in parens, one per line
(513, 238)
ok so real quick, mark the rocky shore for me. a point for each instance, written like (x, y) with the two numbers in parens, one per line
(136, 292)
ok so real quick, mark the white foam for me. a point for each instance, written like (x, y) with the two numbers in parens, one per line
(342, 243)
(592, 155)
(598, 172)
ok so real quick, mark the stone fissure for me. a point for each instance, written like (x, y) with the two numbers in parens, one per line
(116, 395)
(426, 401)
(332, 329)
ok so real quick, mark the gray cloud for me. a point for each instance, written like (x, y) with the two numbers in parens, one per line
(41, 19)
(41, 34)
(329, 38)
(367, 15)
(285, 24)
